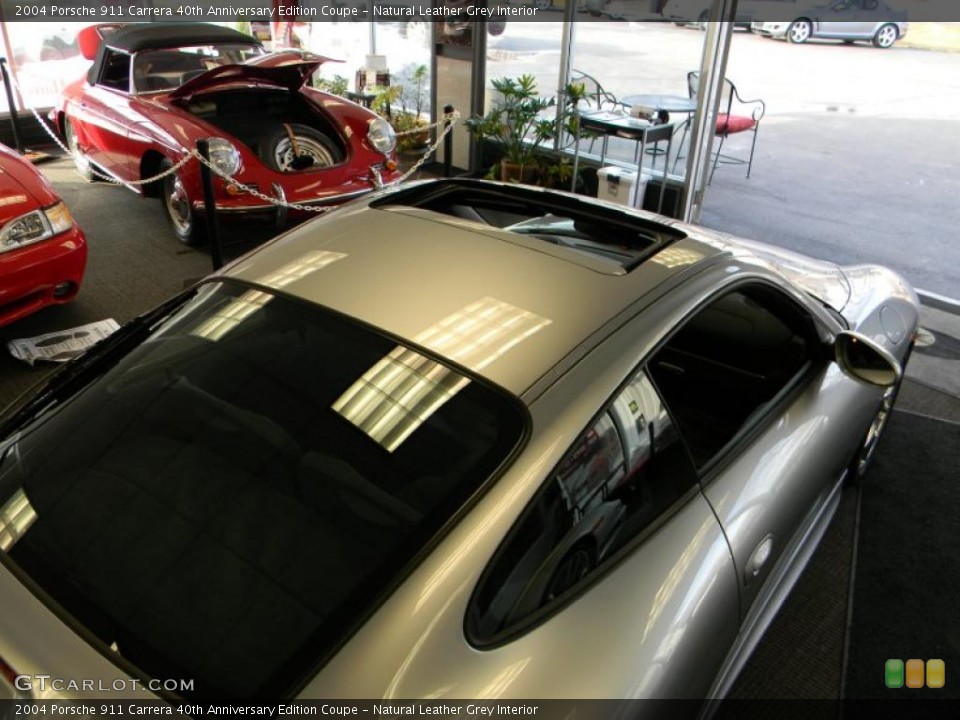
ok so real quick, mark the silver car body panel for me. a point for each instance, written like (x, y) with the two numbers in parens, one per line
(777, 488)
(38, 643)
(675, 615)
(461, 266)
(678, 583)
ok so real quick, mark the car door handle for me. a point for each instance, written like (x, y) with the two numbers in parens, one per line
(761, 554)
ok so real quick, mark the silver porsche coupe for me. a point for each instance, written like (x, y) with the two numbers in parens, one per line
(453, 440)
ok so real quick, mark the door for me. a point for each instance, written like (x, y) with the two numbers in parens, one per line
(102, 116)
(848, 19)
(756, 399)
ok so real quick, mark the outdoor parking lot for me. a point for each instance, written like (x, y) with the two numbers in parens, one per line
(855, 155)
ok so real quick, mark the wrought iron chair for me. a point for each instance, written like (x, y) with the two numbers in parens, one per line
(597, 98)
(735, 115)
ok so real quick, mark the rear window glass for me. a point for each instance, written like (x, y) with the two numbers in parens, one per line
(225, 502)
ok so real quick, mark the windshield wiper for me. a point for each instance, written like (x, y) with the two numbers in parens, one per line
(91, 364)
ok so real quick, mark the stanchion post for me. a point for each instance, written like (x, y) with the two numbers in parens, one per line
(210, 207)
(14, 118)
(447, 141)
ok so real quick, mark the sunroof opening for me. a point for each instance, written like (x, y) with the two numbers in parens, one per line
(595, 230)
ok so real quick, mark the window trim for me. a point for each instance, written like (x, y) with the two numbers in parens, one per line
(99, 82)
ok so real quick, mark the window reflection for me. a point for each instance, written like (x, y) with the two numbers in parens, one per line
(621, 475)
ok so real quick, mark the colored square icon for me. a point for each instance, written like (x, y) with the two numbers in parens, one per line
(936, 673)
(915, 673)
(893, 673)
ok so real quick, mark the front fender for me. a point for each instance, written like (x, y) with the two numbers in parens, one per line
(883, 306)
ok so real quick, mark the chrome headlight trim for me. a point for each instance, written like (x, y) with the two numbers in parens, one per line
(381, 136)
(223, 155)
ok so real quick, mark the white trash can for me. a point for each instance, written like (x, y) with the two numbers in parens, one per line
(620, 186)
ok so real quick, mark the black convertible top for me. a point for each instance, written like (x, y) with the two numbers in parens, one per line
(153, 36)
(157, 36)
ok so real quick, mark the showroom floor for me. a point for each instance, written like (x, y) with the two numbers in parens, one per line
(135, 263)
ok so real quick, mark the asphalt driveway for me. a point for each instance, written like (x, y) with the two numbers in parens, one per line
(856, 156)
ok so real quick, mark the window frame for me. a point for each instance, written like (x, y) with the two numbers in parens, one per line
(105, 65)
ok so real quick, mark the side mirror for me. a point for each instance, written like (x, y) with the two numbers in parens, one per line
(863, 359)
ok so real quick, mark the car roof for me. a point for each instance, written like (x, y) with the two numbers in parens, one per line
(152, 36)
(509, 307)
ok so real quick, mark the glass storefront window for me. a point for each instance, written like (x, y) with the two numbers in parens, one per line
(44, 58)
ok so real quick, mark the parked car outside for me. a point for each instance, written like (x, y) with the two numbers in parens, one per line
(154, 90)
(846, 20)
(478, 439)
(43, 252)
(697, 12)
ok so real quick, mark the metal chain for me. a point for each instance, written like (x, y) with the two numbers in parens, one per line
(454, 116)
(256, 193)
(450, 120)
(107, 178)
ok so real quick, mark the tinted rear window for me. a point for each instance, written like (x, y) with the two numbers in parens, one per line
(228, 500)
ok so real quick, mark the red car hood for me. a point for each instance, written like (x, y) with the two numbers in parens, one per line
(21, 187)
(285, 69)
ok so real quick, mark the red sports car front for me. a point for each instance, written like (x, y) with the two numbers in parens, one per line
(155, 90)
(42, 251)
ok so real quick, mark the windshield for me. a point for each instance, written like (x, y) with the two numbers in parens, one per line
(224, 503)
(159, 70)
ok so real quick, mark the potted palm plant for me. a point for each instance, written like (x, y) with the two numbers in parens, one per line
(517, 126)
(402, 105)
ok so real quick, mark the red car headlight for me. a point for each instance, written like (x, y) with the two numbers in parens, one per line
(381, 136)
(223, 155)
(35, 226)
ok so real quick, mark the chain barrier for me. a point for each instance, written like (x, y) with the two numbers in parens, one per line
(76, 155)
(447, 121)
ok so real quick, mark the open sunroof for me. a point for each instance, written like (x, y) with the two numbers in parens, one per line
(595, 230)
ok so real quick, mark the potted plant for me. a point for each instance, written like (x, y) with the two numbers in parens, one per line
(516, 125)
(409, 95)
(413, 92)
(337, 85)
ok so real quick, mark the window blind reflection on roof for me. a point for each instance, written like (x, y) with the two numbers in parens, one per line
(16, 517)
(401, 391)
(249, 302)
(398, 394)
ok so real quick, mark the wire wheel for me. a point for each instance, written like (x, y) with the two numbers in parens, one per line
(294, 148)
(176, 204)
(80, 161)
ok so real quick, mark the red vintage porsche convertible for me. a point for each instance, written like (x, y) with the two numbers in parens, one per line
(42, 251)
(154, 90)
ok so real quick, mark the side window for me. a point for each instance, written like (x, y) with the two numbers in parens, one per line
(622, 474)
(116, 71)
(727, 364)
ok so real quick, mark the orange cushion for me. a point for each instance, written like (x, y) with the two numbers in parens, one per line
(727, 124)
